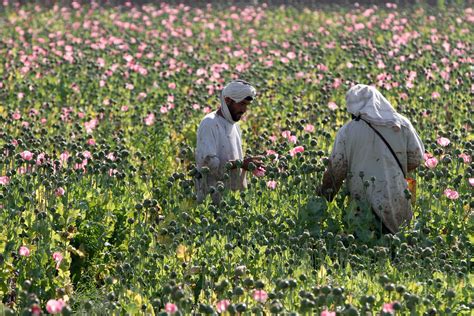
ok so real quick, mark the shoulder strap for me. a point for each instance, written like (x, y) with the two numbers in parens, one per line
(385, 141)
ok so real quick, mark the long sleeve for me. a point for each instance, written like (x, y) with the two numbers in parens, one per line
(206, 149)
(337, 168)
(415, 149)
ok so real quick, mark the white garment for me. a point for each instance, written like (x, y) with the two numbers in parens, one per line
(358, 148)
(218, 141)
(372, 106)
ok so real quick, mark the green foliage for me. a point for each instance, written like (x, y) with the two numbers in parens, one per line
(106, 102)
(312, 215)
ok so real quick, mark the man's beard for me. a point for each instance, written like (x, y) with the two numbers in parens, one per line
(236, 116)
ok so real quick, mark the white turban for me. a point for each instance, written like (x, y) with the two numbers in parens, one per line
(372, 106)
(237, 90)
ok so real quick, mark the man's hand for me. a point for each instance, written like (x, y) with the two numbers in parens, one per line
(256, 160)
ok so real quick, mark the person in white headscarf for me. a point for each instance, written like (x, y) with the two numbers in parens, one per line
(361, 155)
(219, 156)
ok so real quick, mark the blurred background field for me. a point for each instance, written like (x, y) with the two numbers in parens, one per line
(99, 106)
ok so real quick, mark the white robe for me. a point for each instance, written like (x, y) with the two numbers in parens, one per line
(218, 141)
(358, 148)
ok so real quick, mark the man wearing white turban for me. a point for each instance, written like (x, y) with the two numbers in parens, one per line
(374, 152)
(219, 144)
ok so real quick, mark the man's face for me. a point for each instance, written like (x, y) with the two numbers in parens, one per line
(237, 110)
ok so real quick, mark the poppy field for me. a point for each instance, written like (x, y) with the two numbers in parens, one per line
(99, 107)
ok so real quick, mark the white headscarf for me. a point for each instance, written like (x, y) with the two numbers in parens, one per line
(237, 90)
(372, 106)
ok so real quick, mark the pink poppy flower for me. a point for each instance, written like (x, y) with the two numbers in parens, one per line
(201, 72)
(268, 63)
(91, 142)
(36, 310)
(58, 257)
(388, 308)
(466, 158)
(24, 251)
(431, 163)
(171, 308)
(111, 156)
(451, 194)
(33, 112)
(443, 141)
(327, 313)
(222, 306)
(75, 87)
(59, 191)
(426, 156)
(163, 110)
(271, 152)
(259, 172)
(471, 182)
(100, 61)
(435, 95)
(91, 125)
(286, 134)
(55, 306)
(260, 296)
(322, 67)
(150, 119)
(124, 108)
(299, 75)
(309, 128)
(297, 149)
(291, 55)
(26, 155)
(332, 106)
(4, 180)
(64, 157)
(40, 159)
(81, 166)
(293, 139)
(272, 184)
(16, 116)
